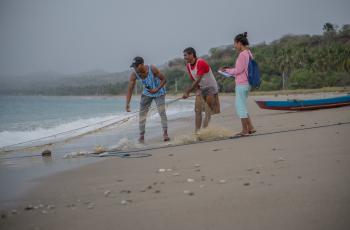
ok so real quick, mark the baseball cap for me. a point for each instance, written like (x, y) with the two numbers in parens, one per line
(136, 61)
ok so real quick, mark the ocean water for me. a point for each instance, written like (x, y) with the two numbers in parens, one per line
(26, 118)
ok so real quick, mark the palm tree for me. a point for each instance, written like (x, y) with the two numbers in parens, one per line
(285, 64)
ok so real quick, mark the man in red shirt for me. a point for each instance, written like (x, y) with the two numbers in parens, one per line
(205, 86)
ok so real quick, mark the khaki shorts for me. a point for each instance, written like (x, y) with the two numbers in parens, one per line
(208, 104)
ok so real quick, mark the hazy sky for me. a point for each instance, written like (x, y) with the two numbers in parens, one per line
(71, 36)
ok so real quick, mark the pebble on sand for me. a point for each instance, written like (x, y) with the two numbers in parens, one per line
(190, 180)
(215, 150)
(187, 192)
(246, 184)
(14, 212)
(222, 181)
(161, 170)
(70, 206)
(107, 193)
(125, 202)
(280, 159)
(51, 206)
(46, 153)
(29, 207)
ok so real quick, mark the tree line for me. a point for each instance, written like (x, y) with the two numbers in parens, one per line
(291, 62)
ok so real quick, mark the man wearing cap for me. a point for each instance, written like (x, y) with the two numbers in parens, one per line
(205, 87)
(153, 82)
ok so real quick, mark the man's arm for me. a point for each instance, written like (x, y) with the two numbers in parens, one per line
(160, 75)
(203, 68)
(193, 86)
(131, 86)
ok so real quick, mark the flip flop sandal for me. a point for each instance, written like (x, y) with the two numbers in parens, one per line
(242, 134)
(252, 131)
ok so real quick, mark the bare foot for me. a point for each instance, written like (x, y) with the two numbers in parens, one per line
(166, 138)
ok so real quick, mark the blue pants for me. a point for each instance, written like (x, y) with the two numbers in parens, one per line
(241, 100)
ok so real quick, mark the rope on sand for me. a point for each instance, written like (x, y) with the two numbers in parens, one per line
(131, 152)
(139, 153)
(125, 154)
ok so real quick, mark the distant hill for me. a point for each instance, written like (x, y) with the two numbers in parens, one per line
(291, 62)
(35, 83)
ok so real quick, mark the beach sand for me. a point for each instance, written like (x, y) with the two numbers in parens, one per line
(285, 180)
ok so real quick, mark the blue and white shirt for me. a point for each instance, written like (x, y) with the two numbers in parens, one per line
(151, 82)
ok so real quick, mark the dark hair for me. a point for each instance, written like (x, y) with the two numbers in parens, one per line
(190, 50)
(242, 38)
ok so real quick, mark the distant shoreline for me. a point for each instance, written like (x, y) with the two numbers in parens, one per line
(345, 89)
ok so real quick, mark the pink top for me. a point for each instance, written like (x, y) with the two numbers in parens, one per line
(241, 68)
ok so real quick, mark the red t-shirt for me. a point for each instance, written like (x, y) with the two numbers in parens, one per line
(202, 68)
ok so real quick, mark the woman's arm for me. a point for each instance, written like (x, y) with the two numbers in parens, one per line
(241, 65)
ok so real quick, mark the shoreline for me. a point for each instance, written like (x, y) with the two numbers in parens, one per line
(288, 175)
(345, 89)
(44, 167)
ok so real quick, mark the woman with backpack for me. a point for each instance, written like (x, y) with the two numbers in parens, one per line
(240, 72)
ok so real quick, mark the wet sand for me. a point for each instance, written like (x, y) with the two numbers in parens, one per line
(288, 180)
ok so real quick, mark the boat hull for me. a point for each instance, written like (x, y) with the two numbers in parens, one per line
(311, 104)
